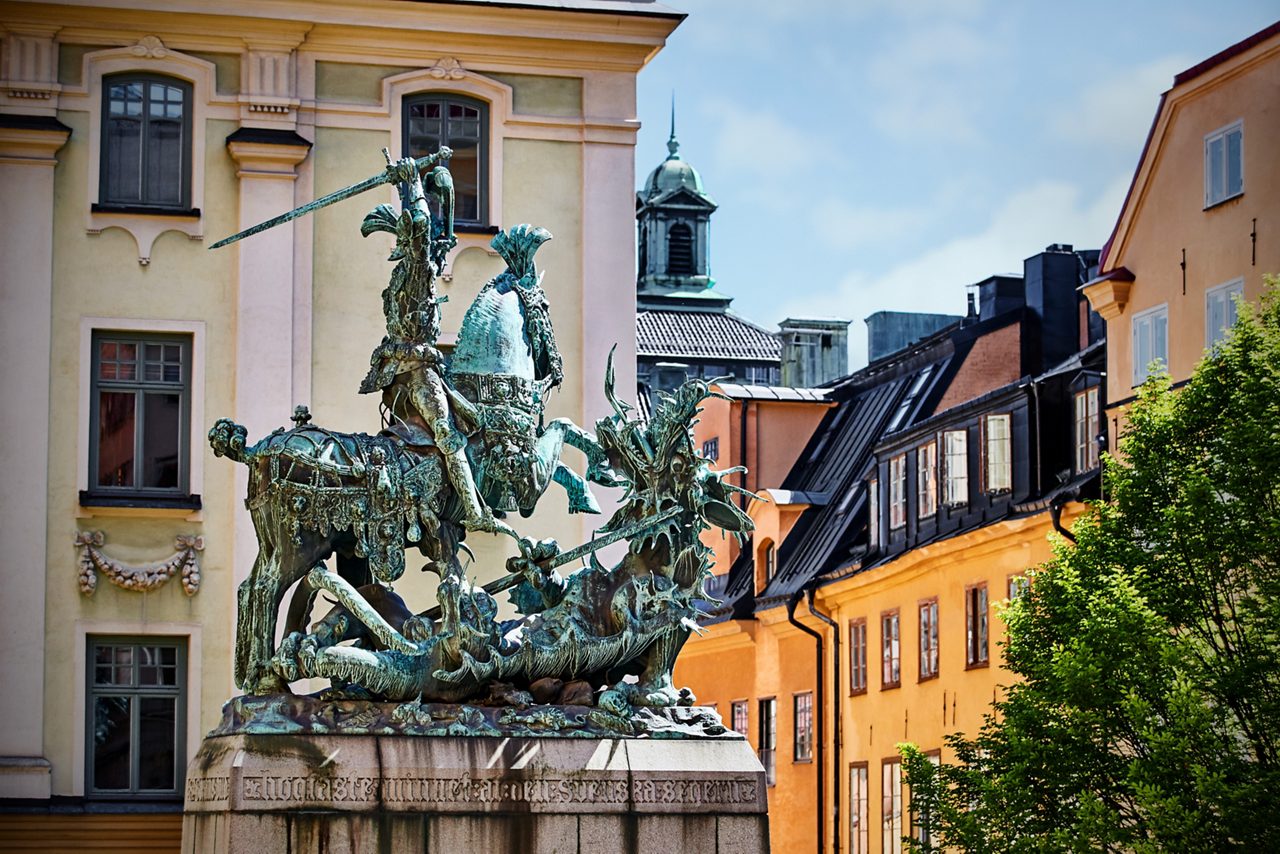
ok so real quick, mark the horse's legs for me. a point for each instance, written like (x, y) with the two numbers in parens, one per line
(580, 498)
(655, 687)
(598, 469)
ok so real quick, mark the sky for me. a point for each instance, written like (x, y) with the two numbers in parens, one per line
(874, 155)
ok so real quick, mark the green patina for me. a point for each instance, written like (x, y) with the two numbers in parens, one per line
(463, 443)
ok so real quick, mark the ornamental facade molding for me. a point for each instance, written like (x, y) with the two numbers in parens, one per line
(140, 578)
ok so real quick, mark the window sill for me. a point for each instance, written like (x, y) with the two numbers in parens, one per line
(890, 686)
(808, 761)
(186, 507)
(858, 692)
(928, 678)
(474, 228)
(1222, 202)
(135, 210)
(977, 665)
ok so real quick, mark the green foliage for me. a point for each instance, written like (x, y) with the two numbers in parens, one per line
(1147, 715)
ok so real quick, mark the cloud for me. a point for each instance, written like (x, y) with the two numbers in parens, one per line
(755, 142)
(1046, 212)
(926, 82)
(1117, 112)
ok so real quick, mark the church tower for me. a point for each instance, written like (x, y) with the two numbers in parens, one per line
(673, 215)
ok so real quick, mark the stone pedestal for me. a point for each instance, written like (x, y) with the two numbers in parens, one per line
(307, 792)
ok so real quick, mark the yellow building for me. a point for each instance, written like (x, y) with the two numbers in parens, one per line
(863, 613)
(131, 137)
(1193, 232)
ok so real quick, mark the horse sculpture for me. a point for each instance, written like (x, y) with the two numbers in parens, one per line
(600, 624)
(315, 492)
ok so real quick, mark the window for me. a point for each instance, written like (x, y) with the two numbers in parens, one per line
(768, 740)
(146, 142)
(739, 712)
(139, 416)
(1220, 311)
(890, 658)
(770, 562)
(858, 656)
(1150, 342)
(927, 480)
(873, 514)
(1086, 429)
(462, 124)
(1224, 164)
(975, 620)
(802, 743)
(929, 638)
(1018, 586)
(858, 841)
(955, 468)
(891, 806)
(898, 491)
(999, 453)
(136, 716)
(711, 449)
(680, 250)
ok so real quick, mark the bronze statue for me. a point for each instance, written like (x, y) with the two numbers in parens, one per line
(463, 443)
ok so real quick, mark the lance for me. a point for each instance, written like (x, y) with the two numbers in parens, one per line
(510, 580)
(390, 175)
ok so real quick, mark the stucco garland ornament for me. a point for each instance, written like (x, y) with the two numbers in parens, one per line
(140, 578)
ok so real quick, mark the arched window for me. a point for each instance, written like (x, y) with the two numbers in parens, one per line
(680, 250)
(146, 142)
(461, 123)
(770, 555)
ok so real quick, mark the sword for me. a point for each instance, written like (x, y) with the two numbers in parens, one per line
(388, 176)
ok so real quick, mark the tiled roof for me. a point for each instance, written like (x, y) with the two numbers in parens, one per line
(703, 335)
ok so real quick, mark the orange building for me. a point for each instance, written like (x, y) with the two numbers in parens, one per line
(862, 614)
(1198, 227)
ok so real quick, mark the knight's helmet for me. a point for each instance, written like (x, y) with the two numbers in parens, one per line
(499, 364)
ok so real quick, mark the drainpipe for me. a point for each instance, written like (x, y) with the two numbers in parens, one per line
(1035, 425)
(836, 722)
(821, 750)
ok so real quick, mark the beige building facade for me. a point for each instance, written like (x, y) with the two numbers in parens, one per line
(132, 136)
(1198, 226)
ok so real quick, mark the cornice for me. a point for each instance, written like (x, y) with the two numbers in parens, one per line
(35, 146)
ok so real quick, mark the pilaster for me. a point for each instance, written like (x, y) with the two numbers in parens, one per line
(267, 162)
(28, 148)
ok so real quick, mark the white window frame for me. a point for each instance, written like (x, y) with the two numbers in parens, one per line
(1148, 319)
(1087, 424)
(1211, 169)
(873, 514)
(1224, 293)
(898, 491)
(927, 480)
(955, 468)
(998, 472)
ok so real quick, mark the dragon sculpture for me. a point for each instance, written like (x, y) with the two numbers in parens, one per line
(463, 442)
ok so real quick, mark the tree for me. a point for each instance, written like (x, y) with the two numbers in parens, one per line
(1147, 715)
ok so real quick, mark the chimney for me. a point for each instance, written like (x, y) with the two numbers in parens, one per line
(891, 331)
(1051, 279)
(814, 350)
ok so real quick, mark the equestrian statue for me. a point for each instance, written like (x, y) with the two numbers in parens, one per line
(463, 444)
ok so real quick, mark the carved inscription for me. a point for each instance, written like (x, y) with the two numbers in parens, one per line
(491, 791)
(208, 789)
(694, 792)
(309, 789)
